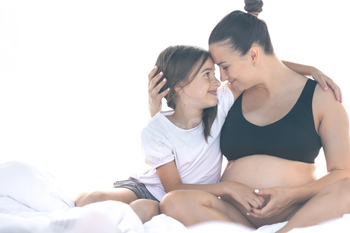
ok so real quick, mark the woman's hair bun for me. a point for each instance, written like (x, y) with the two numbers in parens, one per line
(253, 6)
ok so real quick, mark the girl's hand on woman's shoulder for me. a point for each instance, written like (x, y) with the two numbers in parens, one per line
(154, 97)
(324, 81)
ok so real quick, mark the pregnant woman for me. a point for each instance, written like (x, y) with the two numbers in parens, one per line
(271, 137)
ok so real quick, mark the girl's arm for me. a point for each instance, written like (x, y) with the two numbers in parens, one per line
(171, 180)
(318, 76)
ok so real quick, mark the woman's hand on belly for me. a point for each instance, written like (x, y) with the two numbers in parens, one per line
(244, 195)
(280, 199)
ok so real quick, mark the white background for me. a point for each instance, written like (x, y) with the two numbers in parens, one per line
(73, 74)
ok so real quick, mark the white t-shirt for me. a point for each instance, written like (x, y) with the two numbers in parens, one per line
(197, 161)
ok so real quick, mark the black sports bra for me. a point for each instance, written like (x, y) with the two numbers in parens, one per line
(293, 137)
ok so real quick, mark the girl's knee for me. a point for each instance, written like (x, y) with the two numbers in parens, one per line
(172, 202)
(175, 202)
(145, 209)
(91, 197)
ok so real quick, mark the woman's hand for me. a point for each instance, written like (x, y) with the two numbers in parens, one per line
(325, 81)
(244, 195)
(280, 199)
(154, 98)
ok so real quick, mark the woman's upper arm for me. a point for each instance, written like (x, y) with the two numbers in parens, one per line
(333, 130)
(169, 176)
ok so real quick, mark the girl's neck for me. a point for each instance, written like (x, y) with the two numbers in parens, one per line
(186, 117)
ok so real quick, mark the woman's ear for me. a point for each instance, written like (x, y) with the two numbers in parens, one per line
(254, 55)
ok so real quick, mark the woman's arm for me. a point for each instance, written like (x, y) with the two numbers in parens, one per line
(318, 76)
(333, 128)
(171, 180)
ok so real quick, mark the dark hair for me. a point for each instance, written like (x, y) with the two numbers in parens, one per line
(180, 65)
(240, 30)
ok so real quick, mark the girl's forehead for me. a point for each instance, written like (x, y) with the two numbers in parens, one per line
(208, 63)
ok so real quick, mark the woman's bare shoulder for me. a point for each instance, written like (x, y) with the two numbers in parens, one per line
(324, 104)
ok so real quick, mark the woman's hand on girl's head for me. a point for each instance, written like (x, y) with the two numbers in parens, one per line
(154, 97)
(324, 81)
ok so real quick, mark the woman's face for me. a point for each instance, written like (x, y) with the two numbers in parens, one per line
(234, 67)
(201, 92)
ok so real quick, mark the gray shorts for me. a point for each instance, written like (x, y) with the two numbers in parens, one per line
(136, 186)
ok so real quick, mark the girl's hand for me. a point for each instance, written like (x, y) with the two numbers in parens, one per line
(154, 98)
(244, 195)
(280, 199)
(325, 81)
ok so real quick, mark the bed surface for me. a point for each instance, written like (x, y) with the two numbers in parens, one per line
(32, 200)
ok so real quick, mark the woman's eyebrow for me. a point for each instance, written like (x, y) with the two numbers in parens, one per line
(221, 63)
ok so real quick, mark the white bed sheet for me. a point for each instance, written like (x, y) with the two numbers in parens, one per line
(33, 201)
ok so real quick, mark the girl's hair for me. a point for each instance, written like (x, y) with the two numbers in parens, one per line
(180, 65)
(240, 30)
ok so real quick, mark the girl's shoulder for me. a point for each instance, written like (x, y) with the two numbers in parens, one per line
(158, 123)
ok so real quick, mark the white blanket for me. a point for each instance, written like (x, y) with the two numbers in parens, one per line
(33, 201)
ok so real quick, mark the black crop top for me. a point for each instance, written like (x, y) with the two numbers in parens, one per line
(293, 137)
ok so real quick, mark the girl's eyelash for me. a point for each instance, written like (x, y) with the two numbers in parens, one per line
(224, 68)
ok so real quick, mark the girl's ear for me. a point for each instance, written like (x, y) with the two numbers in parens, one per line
(178, 88)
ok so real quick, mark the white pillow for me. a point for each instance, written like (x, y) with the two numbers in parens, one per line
(32, 187)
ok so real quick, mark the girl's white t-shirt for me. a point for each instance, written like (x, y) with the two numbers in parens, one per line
(198, 161)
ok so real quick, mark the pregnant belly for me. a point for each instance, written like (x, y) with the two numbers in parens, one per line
(262, 171)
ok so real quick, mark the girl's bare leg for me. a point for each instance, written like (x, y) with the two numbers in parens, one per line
(118, 194)
(192, 207)
(332, 202)
(145, 209)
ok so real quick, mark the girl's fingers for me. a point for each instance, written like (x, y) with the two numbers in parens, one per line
(255, 204)
(260, 200)
(336, 90)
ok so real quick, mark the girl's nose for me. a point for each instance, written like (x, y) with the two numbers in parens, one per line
(216, 83)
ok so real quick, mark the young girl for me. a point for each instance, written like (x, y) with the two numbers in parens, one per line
(181, 146)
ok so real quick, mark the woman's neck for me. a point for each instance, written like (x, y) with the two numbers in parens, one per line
(274, 75)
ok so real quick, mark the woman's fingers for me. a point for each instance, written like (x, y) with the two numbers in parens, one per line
(152, 85)
(160, 85)
(164, 93)
(151, 74)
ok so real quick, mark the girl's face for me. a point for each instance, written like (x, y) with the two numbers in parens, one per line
(234, 67)
(201, 92)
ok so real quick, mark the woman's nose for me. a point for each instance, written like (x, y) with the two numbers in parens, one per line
(223, 75)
